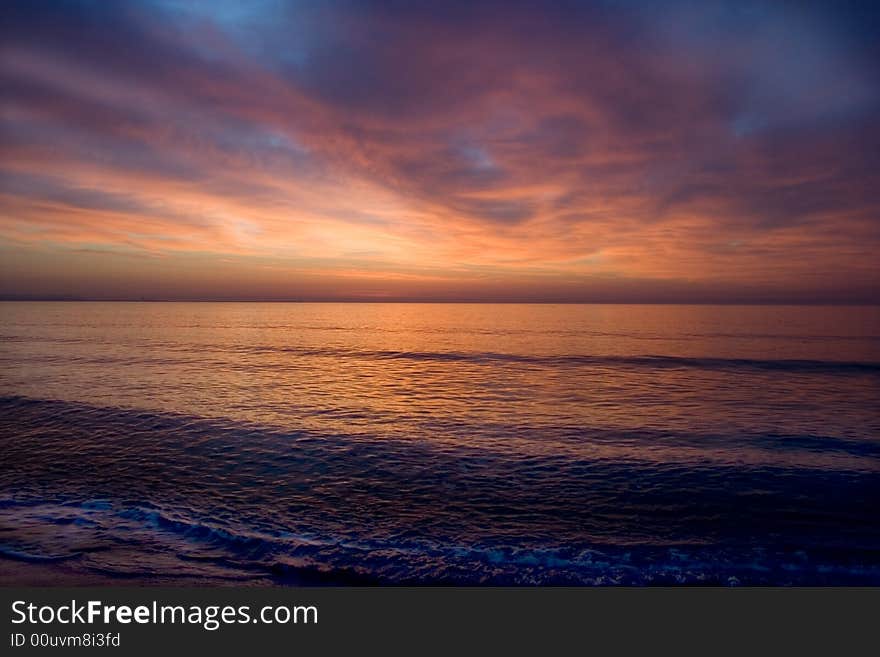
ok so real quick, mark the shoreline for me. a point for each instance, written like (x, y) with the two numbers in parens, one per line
(16, 573)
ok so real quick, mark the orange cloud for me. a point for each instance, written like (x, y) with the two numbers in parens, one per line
(405, 155)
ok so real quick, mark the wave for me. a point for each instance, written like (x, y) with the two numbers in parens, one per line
(647, 361)
(141, 494)
(28, 414)
(220, 354)
(204, 551)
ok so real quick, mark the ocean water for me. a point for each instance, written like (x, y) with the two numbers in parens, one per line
(441, 443)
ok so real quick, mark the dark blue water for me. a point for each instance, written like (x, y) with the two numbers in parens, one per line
(371, 444)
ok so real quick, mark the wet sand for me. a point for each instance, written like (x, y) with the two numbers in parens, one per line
(22, 573)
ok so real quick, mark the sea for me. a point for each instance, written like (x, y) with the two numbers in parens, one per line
(441, 444)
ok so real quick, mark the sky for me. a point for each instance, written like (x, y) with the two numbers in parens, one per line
(614, 151)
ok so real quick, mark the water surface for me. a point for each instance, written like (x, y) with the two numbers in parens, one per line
(442, 443)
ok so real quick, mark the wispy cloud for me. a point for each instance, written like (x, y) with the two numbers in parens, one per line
(607, 150)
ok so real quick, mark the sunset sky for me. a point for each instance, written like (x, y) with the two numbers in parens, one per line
(605, 151)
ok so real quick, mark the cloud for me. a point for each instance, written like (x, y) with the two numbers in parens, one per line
(729, 147)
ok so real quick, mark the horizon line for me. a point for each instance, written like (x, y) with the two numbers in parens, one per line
(464, 301)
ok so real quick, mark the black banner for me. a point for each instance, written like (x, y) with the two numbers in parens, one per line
(146, 621)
